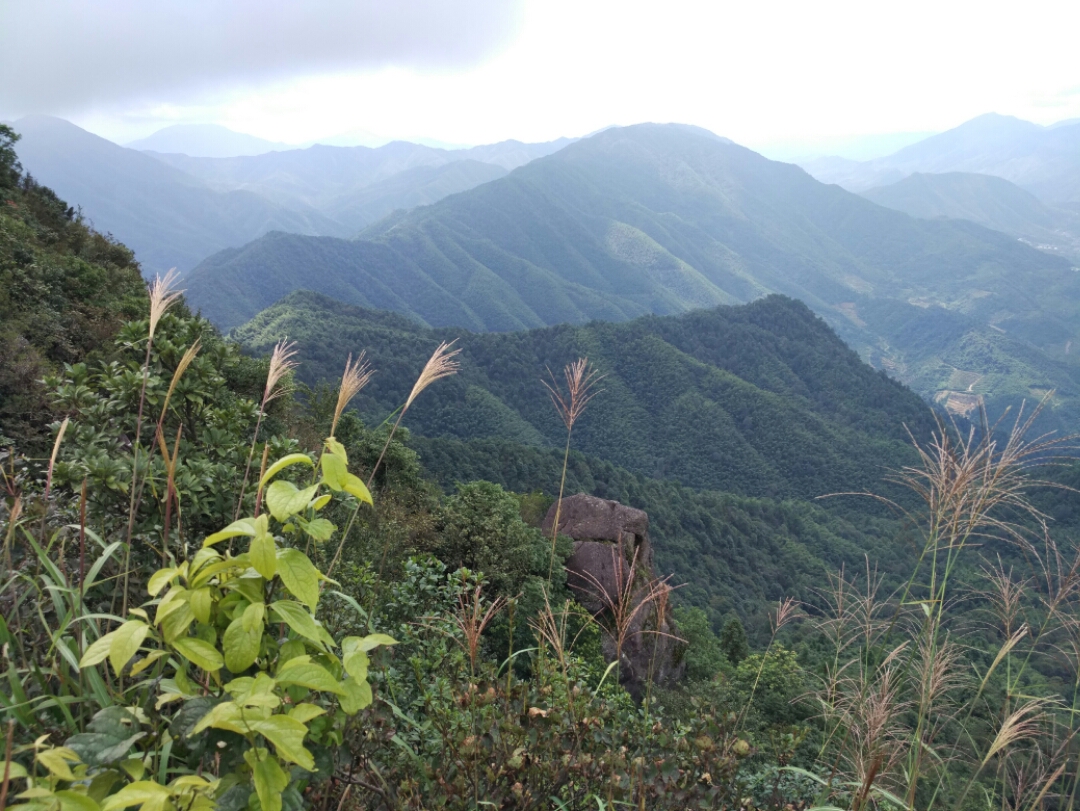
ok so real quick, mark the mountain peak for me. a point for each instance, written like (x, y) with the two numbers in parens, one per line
(206, 141)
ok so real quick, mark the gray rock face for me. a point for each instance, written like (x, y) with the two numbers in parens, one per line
(611, 574)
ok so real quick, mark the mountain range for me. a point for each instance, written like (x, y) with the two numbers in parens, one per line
(206, 141)
(175, 210)
(666, 218)
(989, 201)
(1043, 160)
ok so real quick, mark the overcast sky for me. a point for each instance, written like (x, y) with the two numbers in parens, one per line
(476, 71)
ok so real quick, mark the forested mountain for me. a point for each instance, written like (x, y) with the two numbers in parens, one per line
(64, 291)
(762, 399)
(665, 218)
(205, 140)
(1043, 160)
(174, 210)
(169, 218)
(987, 200)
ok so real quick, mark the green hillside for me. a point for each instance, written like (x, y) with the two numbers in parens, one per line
(64, 291)
(987, 200)
(664, 218)
(761, 400)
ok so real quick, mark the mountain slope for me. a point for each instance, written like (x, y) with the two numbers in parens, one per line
(1043, 160)
(205, 140)
(761, 399)
(169, 218)
(990, 201)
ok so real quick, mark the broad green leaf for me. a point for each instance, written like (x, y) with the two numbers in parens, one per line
(16, 771)
(56, 761)
(159, 580)
(299, 575)
(284, 500)
(253, 617)
(146, 661)
(71, 800)
(201, 602)
(337, 449)
(356, 663)
(176, 624)
(354, 486)
(208, 572)
(297, 617)
(199, 653)
(263, 554)
(309, 675)
(97, 652)
(372, 641)
(126, 641)
(305, 712)
(356, 696)
(141, 793)
(287, 735)
(256, 692)
(241, 645)
(282, 463)
(335, 471)
(225, 715)
(320, 502)
(270, 779)
(245, 526)
(320, 529)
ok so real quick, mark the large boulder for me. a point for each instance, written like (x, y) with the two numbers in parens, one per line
(611, 573)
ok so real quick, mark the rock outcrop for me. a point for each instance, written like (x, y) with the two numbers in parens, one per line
(611, 574)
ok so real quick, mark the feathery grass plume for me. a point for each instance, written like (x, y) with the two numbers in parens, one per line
(281, 363)
(162, 297)
(580, 380)
(52, 459)
(353, 379)
(178, 373)
(442, 363)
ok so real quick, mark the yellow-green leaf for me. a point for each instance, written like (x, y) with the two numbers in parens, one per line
(201, 603)
(141, 793)
(309, 675)
(241, 645)
(263, 554)
(287, 735)
(253, 617)
(299, 575)
(320, 529)
(16, 771)
(200, 653)
(320, 502)
(372, 641)
(284, 500)
(354, 486)
(56, 761)
(245, 526)
(159, 580)
(305, 712)
(334, 471)
(336, 448)
(297, 617)
(355, 696)
(282, 463)
(146, 661)
(176, 624)
(270, 779)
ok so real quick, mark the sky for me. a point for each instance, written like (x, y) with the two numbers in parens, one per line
(772, 74)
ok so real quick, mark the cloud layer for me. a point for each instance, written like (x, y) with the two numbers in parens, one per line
(64, 56)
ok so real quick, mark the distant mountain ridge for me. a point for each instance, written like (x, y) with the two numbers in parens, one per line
(1043, 160)
(206, 141)
(987, 200)
(174, 210)
(665, 218)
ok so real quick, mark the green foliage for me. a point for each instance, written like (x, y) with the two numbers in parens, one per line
(704, 655)
(64, 290)
(233, 650)
(733, 641)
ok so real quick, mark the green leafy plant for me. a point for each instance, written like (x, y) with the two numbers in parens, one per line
(229, 644)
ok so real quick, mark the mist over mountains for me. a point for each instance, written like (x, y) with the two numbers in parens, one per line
(1043, 160)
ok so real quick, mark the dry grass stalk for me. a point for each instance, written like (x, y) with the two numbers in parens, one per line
(356, 375)
(442, 363)
(162, 297)
(472, 618)
(55, 452)
(580, 379)
(281, 363)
